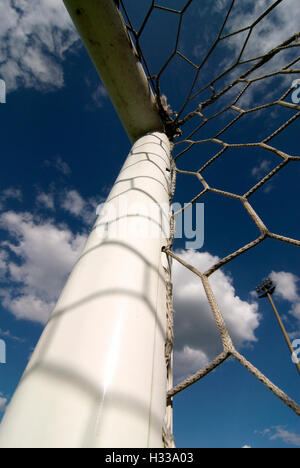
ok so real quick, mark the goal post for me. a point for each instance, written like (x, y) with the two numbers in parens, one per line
(98, 376)
(102, 29)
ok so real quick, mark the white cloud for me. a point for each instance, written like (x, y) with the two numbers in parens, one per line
(74, 203)
(46, 254)
(34, 36)
(281, 433)
(71, 202)
(246, 447)
(268, 188)
(262, 169)
(219, 5)
(286, 436)
(39, 255)
(28, 306)
(60, 165)
(286, 285)
(9, 194)
(295, 311)
(12, 193)
(99, 96)
(263, 433)
(272, 31)
(10, 336)
(197, 339)
(275, 28)
(3, 262)
(46, 200)
(287, 289)
(188, 361)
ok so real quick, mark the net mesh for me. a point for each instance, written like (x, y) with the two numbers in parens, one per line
(224, 101)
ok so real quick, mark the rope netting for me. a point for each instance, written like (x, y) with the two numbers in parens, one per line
(223, 99)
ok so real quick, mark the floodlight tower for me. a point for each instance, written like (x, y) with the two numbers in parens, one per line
(267, 289)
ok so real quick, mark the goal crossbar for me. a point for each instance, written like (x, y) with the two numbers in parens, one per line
(105, 36)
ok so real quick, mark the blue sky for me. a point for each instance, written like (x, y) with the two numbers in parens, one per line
(62, 147)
